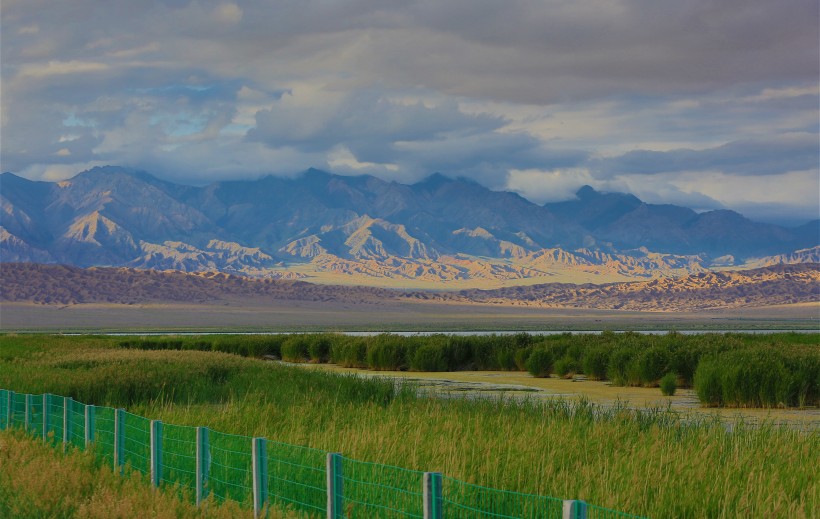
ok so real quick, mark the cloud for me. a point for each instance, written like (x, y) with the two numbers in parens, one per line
(778, 154)
(228, 13)
(401, 138)
(58, 68)
(366, 122)
(549, 186)
(538, 96)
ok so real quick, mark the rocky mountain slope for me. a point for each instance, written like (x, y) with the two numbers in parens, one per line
(439, 229)
(64, 285)
(777, 285)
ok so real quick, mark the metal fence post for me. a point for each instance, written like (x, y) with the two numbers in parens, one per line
(335, 483)
(574, 509)
(119, 439)
(259, 451)
(203, 462)
(46, 407)
(156, 452)
(432, 495)
(90, 423)
(10, 409)
(67, 408)
(29, 404)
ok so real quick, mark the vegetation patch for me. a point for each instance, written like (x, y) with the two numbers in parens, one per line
(645, 462)
(791, 379)
(39, 481)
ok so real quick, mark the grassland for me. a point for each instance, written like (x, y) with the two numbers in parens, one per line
(734, 370)
(516, 384)
(37, 481)
(651, 463)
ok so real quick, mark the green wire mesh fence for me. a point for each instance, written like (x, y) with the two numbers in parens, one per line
(200, 463)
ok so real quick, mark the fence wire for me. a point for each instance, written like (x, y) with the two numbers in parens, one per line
(137, 446)
(179, 457)
(463, 500)
(229, 474)
(374, 490)
(296, 476)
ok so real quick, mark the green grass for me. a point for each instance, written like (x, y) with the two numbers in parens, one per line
(624, 358)
(648, 463)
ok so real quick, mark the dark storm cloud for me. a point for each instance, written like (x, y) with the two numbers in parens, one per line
(754, 157)
(194, 88)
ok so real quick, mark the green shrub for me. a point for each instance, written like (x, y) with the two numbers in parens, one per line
(505, 358)
(669, 384)
(295, 349)
(652, 364)
(459, 352)
(386, 352)
(595, 362)
(349, 352)
(619, 362)
(319, 348)
(539, 363)
(566, 366)
(483, 352)
(522, 339)
(708, 383)
(521, 357)
(429, 357)
(759, 377)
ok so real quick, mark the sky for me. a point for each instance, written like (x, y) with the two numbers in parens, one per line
(704, 103)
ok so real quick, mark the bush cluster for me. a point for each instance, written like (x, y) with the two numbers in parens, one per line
(760, 377)
(778, 369)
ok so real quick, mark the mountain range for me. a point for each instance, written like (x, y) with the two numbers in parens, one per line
(63, 285)
(439, 229)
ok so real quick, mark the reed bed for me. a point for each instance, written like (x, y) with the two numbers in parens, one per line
(789, 371)
(650, 462)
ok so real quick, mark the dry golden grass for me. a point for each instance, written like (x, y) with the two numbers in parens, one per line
(38, 481)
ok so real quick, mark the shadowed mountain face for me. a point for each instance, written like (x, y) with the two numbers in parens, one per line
(628, 223)
(114, 216)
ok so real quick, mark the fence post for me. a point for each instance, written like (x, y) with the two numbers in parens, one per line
(203, 462)
(335, 506)
(67, 408)
(259, 451)
(10, 409)
(574, 509)
(119, 439)
(46, 407)
(432, 495)
(29, 404)
(156, 452)
(90, 423)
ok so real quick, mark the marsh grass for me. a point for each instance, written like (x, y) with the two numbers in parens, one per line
(626, 359)
(38, 481)
(669, 384)
(650, 462)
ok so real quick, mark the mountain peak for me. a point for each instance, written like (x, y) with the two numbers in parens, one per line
(586, 192)
(435, 180)
(108, 170)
